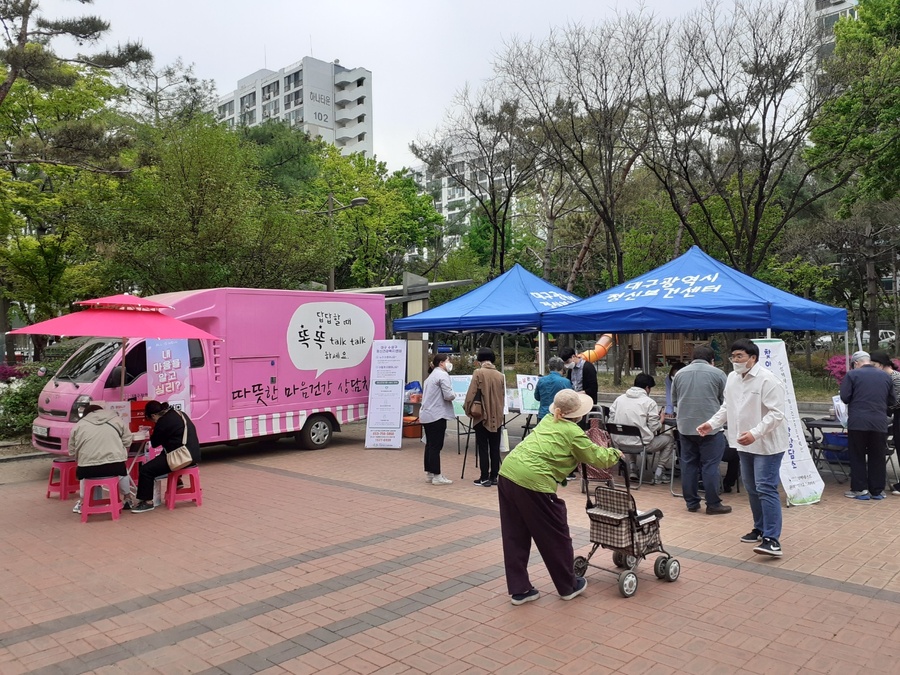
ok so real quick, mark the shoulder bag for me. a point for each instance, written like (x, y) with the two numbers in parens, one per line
(476, 408)
(180, 457)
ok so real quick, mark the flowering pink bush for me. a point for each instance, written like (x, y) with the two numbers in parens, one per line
(9, 372)
(837, 367)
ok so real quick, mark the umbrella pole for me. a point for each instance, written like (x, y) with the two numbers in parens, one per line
(124, 343)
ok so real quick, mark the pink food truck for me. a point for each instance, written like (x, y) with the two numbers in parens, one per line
(289, 363)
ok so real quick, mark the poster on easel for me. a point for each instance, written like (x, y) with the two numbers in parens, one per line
(384, 422)
(526, 385)
(460, 384)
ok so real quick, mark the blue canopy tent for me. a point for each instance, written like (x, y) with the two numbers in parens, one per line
(694, 293)
(514, 302)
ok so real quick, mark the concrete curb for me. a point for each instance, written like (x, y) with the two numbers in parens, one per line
(31, 455)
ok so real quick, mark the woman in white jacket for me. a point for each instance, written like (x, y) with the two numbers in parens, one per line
(100, 443)
(437, 408)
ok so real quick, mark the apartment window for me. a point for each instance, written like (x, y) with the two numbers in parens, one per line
(270, 91)
(360, 82)
(287, 101)
(248, 101)
(293, 80)
(226, 110)
(361, 137)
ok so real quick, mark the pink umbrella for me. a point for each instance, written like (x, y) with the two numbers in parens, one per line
(139, 319)
(123, 301)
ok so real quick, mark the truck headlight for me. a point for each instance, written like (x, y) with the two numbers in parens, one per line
(78, 407)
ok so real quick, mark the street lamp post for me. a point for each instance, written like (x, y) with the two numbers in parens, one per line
(330, 211)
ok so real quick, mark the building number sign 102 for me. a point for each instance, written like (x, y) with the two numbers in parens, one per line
(323, 103)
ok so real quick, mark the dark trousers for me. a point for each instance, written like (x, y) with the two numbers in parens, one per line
(700, 457)
(488, 443)
(868, 450)
(158, 466)
(434, 443)
(101, 470)
(527, 515)
(733, 468)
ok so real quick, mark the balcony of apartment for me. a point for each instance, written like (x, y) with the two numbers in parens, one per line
(356, 77)
(348, 96)
(348, 113)
(350, 131)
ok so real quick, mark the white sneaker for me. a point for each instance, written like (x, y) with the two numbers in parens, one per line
(429, 477)
(852, 494)
(77, 507)
(440, 480)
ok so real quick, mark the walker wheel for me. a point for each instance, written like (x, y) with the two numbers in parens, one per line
(673, 570)
(660, 566)
(628, 583)
(619, 559)
(581, 565)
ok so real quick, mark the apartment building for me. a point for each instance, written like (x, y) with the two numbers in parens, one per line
(826, 13)
(323, 98)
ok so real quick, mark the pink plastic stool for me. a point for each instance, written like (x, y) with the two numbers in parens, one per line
(188, 493)
(67, 483)
(111, 505)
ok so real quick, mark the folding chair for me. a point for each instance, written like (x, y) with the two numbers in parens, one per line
(834, 452)
(630, 431)
(889, 455)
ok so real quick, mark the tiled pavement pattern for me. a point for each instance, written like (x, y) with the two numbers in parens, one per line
(346, 561)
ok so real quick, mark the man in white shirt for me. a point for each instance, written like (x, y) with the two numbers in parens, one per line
(754, 409)
(636, 408)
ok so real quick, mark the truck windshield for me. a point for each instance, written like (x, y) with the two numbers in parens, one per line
(87, 363)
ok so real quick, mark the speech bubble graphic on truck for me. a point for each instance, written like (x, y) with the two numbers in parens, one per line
(325, 336)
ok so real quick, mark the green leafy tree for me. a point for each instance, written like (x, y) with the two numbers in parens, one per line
(27, 46)
(859, 128)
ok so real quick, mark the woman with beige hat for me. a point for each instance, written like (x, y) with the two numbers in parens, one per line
(529, 507)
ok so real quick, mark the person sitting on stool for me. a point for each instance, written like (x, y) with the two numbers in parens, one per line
(168, 432)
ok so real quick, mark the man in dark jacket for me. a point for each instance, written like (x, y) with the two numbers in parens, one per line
(168, 433)
(868, 393)
(580, 372)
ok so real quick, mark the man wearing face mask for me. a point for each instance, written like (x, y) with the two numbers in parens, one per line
(754, 409)
(437, 408)
(580, 372)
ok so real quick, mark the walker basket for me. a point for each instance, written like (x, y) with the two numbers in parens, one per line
(616, 523)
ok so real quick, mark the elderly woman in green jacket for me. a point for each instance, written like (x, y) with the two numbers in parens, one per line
(529, 507)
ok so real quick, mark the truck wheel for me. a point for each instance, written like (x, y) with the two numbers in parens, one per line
(316, 433)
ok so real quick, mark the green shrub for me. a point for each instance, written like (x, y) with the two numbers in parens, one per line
(19, 403)
(18, 406)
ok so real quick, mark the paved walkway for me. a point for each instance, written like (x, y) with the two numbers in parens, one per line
(345, 561)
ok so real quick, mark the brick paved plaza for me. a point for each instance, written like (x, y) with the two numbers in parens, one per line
(345, 561)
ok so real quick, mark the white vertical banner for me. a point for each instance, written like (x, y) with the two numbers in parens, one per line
(384, 422)
(799, 474)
